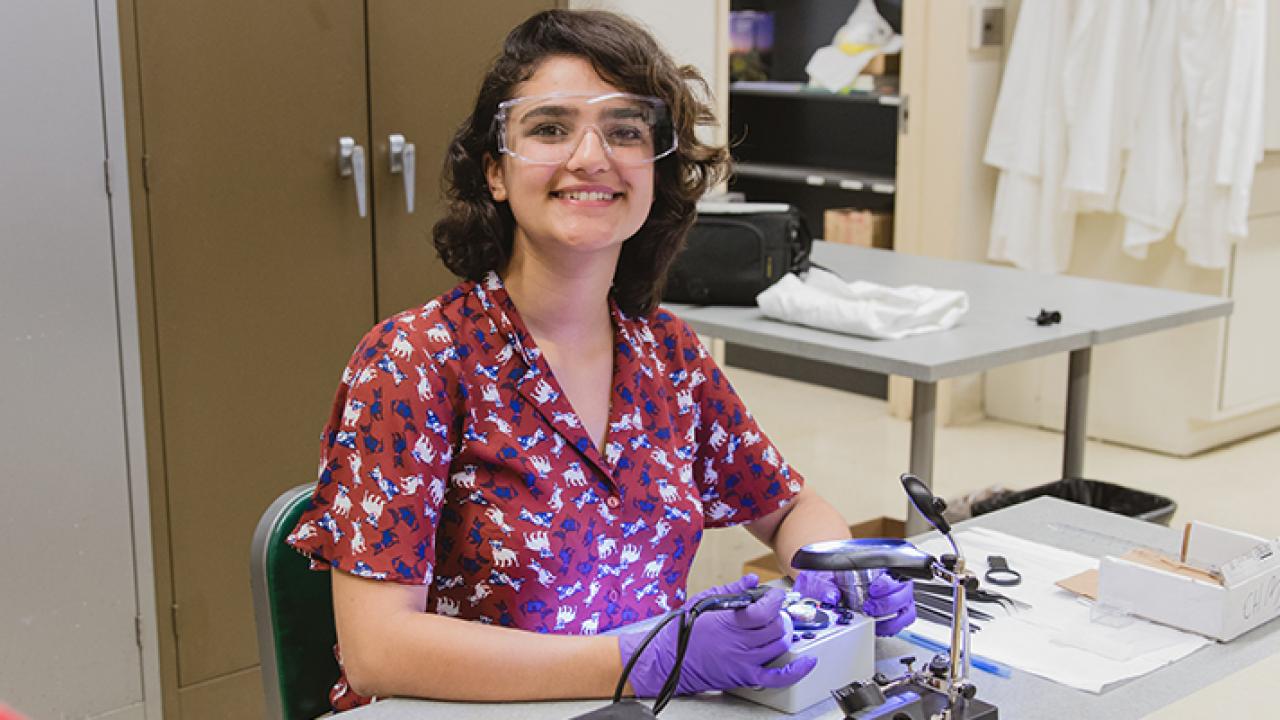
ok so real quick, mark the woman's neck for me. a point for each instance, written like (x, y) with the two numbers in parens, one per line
(562, 300)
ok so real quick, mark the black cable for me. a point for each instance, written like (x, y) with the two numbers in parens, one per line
(827, 269)
(626, 671)
(728, 601)
(669, 688)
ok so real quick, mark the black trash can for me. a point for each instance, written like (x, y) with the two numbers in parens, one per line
(1094, 493)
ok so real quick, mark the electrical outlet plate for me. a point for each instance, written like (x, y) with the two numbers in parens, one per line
(986, 19)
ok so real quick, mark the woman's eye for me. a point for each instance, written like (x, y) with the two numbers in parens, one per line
(548, 130)
(627, 134)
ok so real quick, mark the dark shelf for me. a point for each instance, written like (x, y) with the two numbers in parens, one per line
(818, 177)
(776, 88)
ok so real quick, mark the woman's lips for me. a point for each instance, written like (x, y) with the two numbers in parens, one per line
(586, 195)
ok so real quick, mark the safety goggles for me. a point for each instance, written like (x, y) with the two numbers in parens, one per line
(547, 129)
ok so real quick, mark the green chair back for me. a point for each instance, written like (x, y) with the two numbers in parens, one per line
(293, 607)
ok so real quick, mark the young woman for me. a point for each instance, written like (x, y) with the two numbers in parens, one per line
(530, 459)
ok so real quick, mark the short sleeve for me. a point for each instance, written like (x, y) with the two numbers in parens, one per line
(384, 461)
(742, 475)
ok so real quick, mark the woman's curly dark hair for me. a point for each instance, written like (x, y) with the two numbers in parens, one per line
(476, 233)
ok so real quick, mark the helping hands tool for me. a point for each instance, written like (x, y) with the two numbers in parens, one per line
(941, 689)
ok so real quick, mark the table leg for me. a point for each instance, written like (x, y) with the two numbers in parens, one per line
(1073, 432)
(924, 411)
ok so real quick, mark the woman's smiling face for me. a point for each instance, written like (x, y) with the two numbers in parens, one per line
(587, 203)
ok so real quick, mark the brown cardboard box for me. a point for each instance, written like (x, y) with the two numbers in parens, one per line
(868, 228)
(766, 566)
(883, 65)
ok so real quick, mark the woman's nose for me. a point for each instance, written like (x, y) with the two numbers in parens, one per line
(591, 154)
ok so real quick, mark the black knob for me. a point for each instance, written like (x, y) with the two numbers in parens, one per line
(968, 691)
(948, 561)
(907, 661)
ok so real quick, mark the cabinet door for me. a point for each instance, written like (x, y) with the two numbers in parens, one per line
(68, 602)
(1249, 377)
(425, 67)
(262, 285)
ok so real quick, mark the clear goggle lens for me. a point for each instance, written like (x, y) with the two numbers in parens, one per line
(547, 129)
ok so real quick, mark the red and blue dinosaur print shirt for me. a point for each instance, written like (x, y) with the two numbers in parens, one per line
(452, 458)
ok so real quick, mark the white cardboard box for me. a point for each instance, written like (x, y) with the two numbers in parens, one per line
(1220, 611)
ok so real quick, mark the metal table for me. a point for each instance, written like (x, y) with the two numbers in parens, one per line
(998, 330)
(1022, 695)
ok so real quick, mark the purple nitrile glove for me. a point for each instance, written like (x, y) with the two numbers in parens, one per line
(817, 584)
(893, 602)
(728, 648)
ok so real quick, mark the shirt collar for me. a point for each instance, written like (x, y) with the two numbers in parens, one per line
(637, 370)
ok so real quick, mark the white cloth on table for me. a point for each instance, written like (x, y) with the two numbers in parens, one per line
(824, 301)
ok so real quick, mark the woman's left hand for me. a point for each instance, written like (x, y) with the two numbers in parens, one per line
(817, 584)
(892, 601)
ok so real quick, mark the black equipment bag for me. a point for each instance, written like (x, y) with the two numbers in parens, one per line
(730, 257)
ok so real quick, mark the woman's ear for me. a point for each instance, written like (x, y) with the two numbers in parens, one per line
(493, 175)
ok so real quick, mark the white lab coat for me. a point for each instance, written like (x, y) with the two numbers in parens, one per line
(1099, 84)
(1033, 219)
(1241, 146)
(1155, 170)
(1158, 101)
(1221, 52)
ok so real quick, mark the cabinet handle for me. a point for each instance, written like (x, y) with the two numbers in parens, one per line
(403, 162)
(351, 164)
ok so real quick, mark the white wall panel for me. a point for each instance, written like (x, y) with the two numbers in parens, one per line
(1249, 375)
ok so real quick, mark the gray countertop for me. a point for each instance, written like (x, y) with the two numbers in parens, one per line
(1022, 696)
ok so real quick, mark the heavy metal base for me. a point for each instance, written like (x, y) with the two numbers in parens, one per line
(916, 702)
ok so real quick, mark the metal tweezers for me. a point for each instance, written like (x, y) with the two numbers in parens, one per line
(978, 595)
(943, 604)
(924, 612)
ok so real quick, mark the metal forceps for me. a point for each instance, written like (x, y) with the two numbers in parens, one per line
(978, 595)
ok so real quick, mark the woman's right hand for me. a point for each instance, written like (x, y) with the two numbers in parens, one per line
(728, 648)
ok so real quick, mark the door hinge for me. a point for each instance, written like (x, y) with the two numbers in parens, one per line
(106, 175)
(903, 114)
(146, 173)
(173, 611)
(137, 630)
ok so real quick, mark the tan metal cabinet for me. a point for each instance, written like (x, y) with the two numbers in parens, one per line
(258, 273)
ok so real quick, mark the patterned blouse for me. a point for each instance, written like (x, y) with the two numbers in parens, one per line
(453, 458)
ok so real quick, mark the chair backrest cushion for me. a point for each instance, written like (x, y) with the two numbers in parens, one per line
(297, 644)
